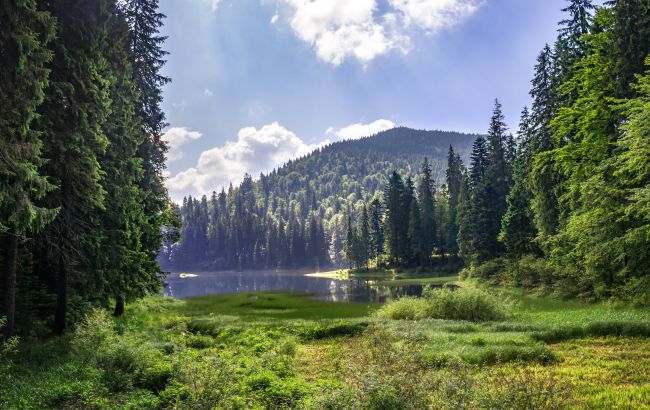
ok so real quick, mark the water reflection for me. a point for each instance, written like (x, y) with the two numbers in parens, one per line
(181, 285)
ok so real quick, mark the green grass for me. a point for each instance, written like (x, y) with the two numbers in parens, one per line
(271, 306)
(270, 350)
(421, 281)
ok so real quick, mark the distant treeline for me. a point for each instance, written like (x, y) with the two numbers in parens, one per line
(565, 208)
(296, 216)
(82, 200)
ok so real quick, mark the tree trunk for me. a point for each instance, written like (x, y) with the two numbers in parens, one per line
(11, 262)
(119, 306)
(60, 318)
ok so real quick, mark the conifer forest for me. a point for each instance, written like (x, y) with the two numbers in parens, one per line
(403, 268)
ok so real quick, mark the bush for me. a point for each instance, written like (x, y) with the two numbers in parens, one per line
(406, 308)
(622, 328)
(124, 361)
(464, 303)
(528, 272)
(339, 328)
(445, 303)
(488, 270)
(7, 349)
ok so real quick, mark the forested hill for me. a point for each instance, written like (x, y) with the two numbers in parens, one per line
(296, 215)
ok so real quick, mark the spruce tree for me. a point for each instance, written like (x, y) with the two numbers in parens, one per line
(376, 230)
(24, 56)
(518, 230)
(71, 120)
(396, 225)
(454, 176)
(426, 194)
(491, 192)
(364, 238)
(147, 60)
(123, 262)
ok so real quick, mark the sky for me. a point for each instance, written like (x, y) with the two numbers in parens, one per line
(258, 82)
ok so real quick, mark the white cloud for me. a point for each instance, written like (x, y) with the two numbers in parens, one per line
(342, 29)
(338, 29)
(360, 130)
(275, 18)
(255, 151)
(435, 14)
(208, 92)
(175, 138)
(214, 4)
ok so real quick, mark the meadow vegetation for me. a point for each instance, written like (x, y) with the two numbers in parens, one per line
(282, 350)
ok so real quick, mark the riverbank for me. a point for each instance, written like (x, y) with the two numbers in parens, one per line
(392, 277)
(274, 350)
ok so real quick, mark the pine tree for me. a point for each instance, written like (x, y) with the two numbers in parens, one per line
(147, 60)
(363, 242)
(376, 230)
(71, 120)
(396, 225)
(426, 194)
(23, 75)
(491, 192)
(415, 233)
(349, 246)
(122, 260)
(631, 42)
(454, 176)
(518, 230)
(576, 26)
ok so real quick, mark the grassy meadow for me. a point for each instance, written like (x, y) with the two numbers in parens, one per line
(283, 350)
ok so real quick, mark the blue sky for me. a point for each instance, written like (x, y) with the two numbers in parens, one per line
(256, 82)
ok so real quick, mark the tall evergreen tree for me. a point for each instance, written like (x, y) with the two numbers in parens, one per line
(24, 56)
(454, 176)
(493, 190)
(376, 230)
(426, 194)
(395, 223)
(71, 120)
(363, 242)
(147, 60)
(518, 230)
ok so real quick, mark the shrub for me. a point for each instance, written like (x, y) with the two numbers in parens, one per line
(7, 349)
(464, 303)
(124, 361)
(602, 328)
(488, 270)
(528, 272)
(338, 328)
(406, 308)
(331, 396)
(199, 341)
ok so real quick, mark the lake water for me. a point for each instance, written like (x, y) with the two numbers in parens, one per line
(337, 290)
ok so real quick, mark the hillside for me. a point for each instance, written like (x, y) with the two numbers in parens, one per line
(304, 203)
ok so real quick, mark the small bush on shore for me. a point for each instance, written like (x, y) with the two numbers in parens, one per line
(445, 303)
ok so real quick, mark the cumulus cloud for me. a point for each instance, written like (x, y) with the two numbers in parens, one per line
(342, 29)
(208, 92)
(255, 151)
(338, 29)
(175, 138)
(435, 14)
(360, 130)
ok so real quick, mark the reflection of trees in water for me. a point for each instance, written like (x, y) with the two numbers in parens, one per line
(358, 290)
(370, 291)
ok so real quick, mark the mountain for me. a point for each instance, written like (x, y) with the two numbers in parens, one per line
(296, 215)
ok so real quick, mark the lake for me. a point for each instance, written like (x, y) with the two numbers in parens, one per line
(182, 285)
